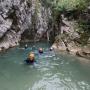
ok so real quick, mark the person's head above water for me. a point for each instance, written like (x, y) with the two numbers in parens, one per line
(51, 49)
(26, 46)
(31, 56)
(40, 50)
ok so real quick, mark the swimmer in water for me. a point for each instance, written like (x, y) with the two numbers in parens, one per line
(40, 50)
(51, 49)
(31, 58)
(26, 46)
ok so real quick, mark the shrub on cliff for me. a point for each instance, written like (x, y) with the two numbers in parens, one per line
(67, 4)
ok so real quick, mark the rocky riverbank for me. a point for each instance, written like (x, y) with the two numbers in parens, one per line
(34, 20)
(69, 40)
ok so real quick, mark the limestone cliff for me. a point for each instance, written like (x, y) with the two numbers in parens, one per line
(25, 20)
(71, 39)
(22, 20)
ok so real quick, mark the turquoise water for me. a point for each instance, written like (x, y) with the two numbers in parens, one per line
(52, 71)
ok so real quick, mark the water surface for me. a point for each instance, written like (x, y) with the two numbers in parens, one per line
(52, 71)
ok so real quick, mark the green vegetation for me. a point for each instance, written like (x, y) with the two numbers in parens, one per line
(77, 9)
(67, 4)
(84, 30)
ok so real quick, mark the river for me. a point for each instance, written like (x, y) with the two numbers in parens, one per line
(52, 71)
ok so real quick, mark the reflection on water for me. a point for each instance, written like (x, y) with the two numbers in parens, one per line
(51, 72)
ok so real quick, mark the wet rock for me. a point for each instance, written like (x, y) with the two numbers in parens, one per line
(73, 48)
(60, 46)
(84, 52)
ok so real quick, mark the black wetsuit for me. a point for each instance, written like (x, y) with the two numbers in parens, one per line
(27, 61)
(40, 52)
(25, 47)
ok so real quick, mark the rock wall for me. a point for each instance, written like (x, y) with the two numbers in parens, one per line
(25, 20)
(69, 39)
(22, 19)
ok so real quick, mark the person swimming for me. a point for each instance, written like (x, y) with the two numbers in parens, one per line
(40, 50)
(26, 46)
(51, 49)
(31, 58)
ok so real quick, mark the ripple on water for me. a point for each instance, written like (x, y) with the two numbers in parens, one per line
(50, 72)
(52, 82)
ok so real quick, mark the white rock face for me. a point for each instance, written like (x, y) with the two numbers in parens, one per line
(18, 16)
(4, 25)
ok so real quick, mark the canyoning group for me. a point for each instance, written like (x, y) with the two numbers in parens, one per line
(31, 56)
